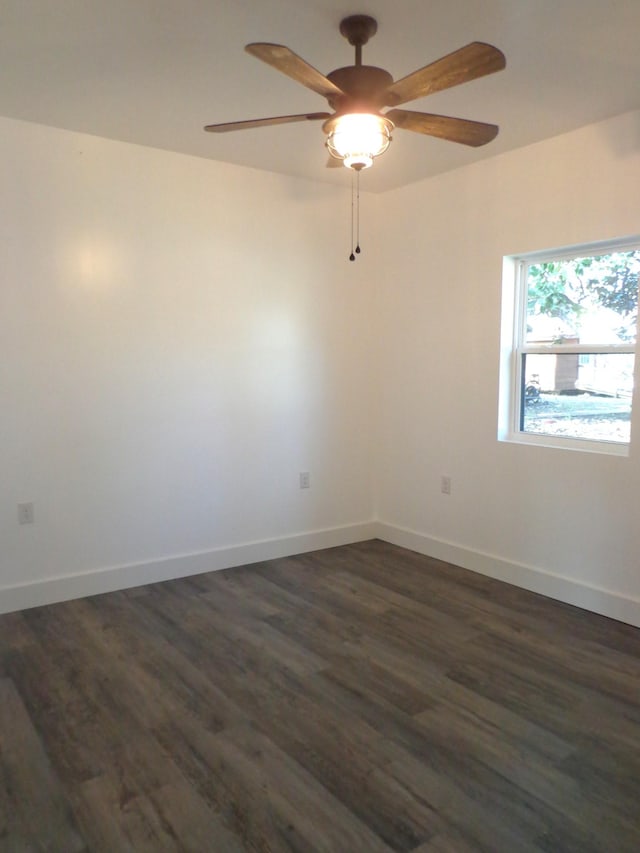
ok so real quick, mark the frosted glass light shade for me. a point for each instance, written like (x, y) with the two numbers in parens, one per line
(356, 138)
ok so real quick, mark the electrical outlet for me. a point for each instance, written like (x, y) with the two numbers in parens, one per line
(445, 485)
(305, 480)
(26, 513)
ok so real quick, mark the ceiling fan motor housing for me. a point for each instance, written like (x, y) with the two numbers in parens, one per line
(362, 85)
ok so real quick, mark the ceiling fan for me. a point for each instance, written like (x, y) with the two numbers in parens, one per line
(357, 130)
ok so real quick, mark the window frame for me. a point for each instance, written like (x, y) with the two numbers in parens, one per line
(514, 348)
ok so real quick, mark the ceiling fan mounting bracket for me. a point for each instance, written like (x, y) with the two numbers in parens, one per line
(358, 29)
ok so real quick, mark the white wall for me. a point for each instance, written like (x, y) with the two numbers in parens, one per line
(565, 523)
(178, 340)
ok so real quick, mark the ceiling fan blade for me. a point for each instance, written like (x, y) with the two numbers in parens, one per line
(285, 60)
(334, 163)
(264, 122)
(468, 63)
(461, 130)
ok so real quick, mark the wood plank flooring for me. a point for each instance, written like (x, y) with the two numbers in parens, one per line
(356, 700)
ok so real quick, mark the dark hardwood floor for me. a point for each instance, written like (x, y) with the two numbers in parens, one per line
(359, 699)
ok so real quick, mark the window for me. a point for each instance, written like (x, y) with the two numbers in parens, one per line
(568, 344)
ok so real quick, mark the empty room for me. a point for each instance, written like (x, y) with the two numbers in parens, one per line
(320, 433)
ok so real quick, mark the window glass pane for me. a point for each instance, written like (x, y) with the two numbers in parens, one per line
(589, 300)
(578, 396)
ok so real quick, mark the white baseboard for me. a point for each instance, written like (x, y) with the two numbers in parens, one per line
(568, 590)
(599, 600)
(66, 587)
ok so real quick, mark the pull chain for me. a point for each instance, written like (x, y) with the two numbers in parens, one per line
(358, 212)
(352, 257)
(355, 212)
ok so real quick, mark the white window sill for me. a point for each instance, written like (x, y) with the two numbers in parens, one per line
(582, 445)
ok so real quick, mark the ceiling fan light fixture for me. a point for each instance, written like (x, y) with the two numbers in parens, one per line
(357, 138)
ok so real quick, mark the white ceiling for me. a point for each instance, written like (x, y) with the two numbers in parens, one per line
(154, 72)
